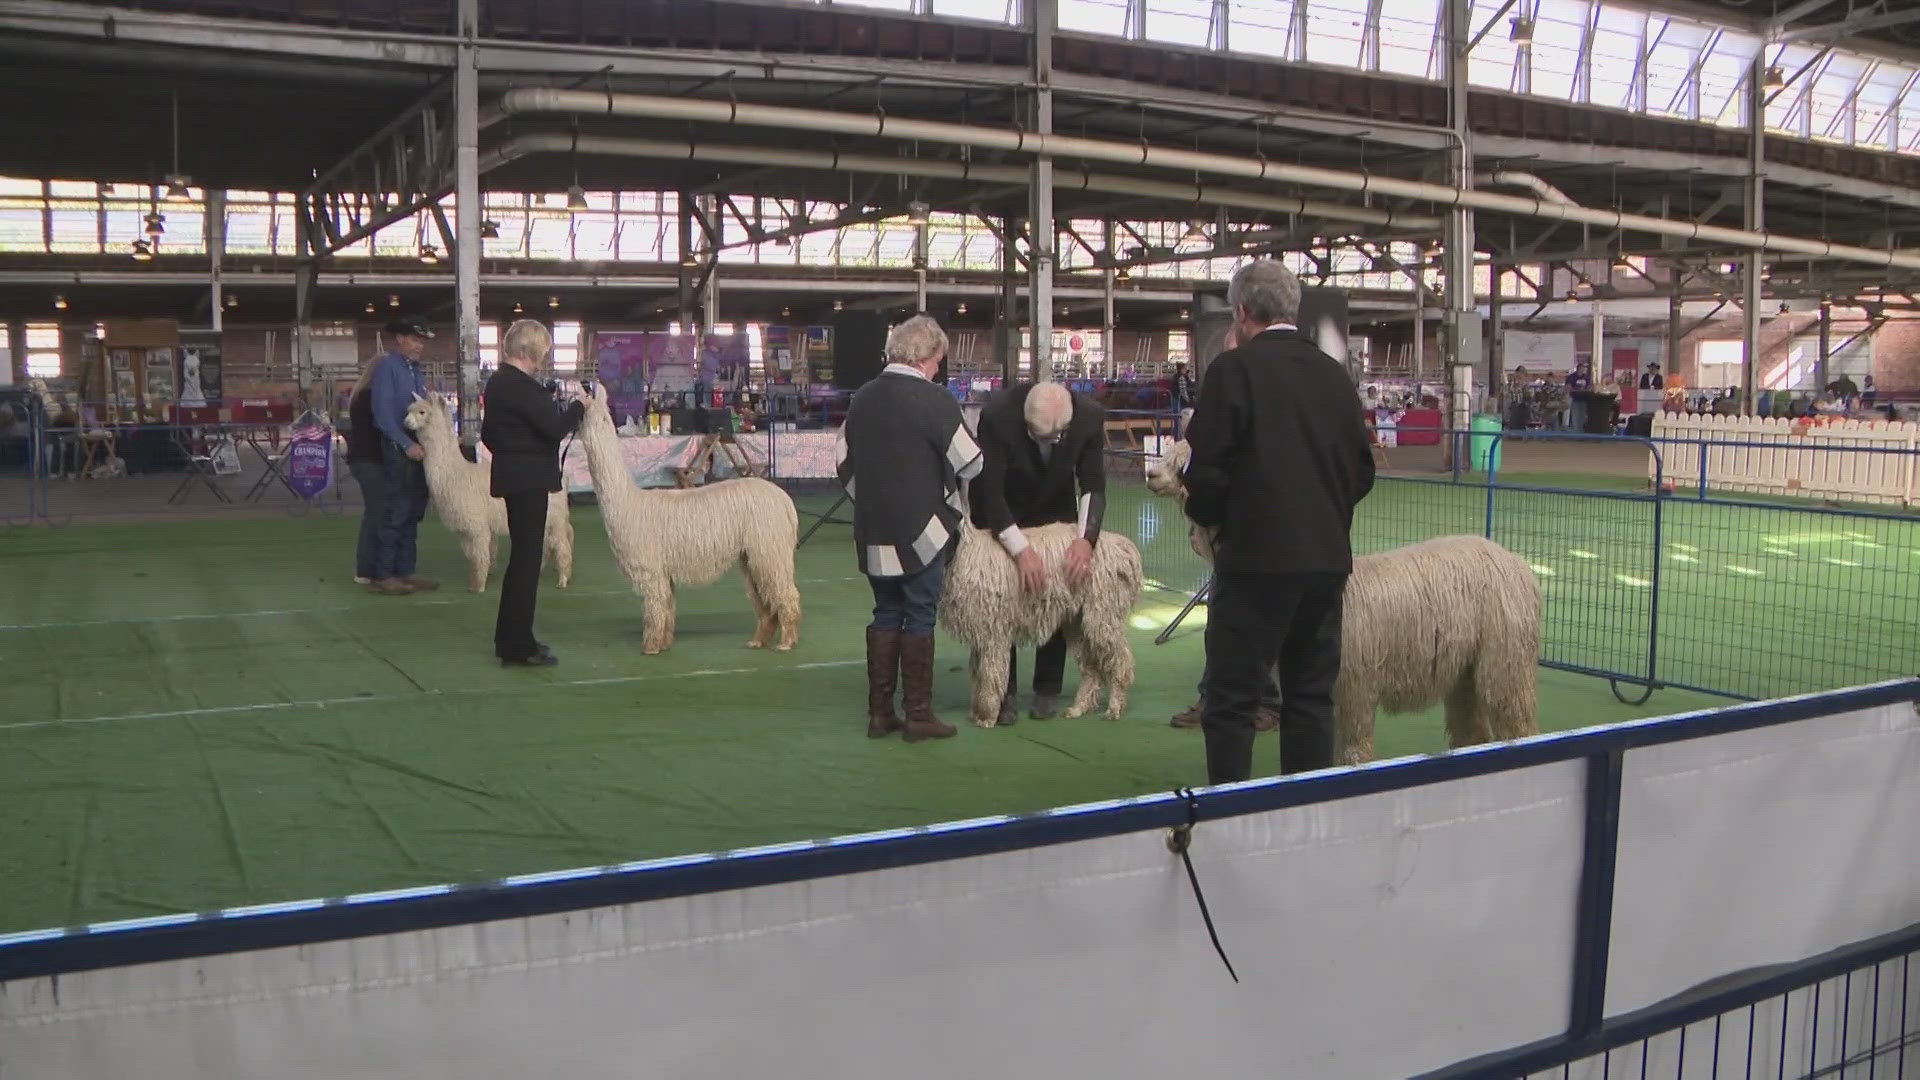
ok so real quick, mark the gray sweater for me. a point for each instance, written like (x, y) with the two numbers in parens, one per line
(901, 456)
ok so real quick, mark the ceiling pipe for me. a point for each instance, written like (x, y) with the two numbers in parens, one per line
(880, 125)
(1530, 182)
(537, 142)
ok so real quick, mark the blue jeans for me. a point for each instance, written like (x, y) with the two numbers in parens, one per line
(1577, 416)
(911, 602)
(372, 478)
(397, 545)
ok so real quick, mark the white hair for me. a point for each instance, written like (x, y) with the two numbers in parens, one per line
(1049, 408)
(526, 340)
(916, 341)
(1268, 291)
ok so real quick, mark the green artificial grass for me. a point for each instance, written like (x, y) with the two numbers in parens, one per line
(208, 713)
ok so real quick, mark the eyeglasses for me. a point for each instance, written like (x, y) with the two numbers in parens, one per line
(1048, 440)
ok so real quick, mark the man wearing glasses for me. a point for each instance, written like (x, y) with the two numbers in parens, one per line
(1044, 462)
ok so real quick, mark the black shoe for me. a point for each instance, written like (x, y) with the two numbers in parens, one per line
(539, 659)
(1044, 706)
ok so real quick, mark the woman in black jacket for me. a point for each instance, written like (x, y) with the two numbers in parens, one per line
(364, 461)
(523, 429)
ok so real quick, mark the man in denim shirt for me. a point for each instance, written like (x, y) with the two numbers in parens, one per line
(396, 380)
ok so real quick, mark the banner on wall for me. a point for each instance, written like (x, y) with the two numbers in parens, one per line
(200, 377)
(820, 355)
(620, 367)
(1539, 352)
(310, 458)
(779, 355)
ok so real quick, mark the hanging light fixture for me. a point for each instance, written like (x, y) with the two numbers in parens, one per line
(370, 307)
(786, 313)
(233, 300)
(1196, 232)
(393, 300)
(176, 180)
(1122, 274)
(576, 195)
(429, 254)
(962, 309)
(1776, 78)
(489, 230)
(1520, 30)
(917, 212)
(59, 303)
(839, 305)
(156, 224)
(142, 251)
(553, 302)
(518, 309)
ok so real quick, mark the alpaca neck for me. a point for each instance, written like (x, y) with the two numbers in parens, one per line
(611, 483)
(442, 449)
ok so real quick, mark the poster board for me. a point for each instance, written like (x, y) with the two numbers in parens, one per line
(1539, 352)
(200, 374)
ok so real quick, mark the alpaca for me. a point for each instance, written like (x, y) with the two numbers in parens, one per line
(1454, 619)
(461, 498)
(984, 605)
(667, 537)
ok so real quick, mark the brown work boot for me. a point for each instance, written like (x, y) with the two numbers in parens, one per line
(421, 584)
(883, 675)
(1189, 717)
(391, 586)
(1266, 718)
(916, 678)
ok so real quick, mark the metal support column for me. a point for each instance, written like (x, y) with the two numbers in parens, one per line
(920, 268)
(1009, 304)
(216, 253)
(709, 208)
(1755, 221)
(1496, 340)
(1041, 228)
(687, 263)
(466, 216)
(1674, 333)
(1463, 329)
(1107, 231)
(1820, 376)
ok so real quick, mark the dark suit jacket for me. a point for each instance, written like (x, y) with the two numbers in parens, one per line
(1279, 457)
(1016, 487)
(523, 429)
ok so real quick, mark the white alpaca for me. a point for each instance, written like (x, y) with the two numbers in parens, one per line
(666, 537)
(1454, 619)
(984, 605)
(462, 502)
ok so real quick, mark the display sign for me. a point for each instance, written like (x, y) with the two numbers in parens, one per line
(310, 458)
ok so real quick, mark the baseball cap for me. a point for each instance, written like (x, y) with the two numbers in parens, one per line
(409, 324)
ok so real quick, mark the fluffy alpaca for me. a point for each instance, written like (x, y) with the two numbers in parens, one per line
(666, 537)
(462, 502)
(984, 606)
(1454, 619)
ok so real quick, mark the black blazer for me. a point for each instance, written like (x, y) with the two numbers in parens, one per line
(1016, 487)
(523, 429)
(1279, 457)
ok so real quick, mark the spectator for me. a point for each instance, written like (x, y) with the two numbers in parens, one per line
(903, 452)
(365, 444)
(1279, 461)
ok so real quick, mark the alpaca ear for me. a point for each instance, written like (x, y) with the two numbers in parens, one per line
(417, 397)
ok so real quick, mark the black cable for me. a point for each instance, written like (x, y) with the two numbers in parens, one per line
(1180, 842)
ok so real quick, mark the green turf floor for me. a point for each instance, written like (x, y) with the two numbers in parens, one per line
(202, 714)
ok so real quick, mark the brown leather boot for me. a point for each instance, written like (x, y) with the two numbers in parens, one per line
(1189, 717)
(1265, 718)
(916, 678)
(883, 675)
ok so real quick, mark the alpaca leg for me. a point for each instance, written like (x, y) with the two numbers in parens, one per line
(989, 678)
(656, 614)
(1466, 724)
(1352, 725)
(1087, 694)
(1113, 658)
(479, 553)
(762, 612)
(560, 545)
(772, 574)
(1506, 696)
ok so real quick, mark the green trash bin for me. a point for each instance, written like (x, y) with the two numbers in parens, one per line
(1481, 444)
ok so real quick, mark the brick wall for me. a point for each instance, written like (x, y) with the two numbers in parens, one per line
(1896, 357)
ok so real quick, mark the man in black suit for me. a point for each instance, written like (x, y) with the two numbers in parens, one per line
(1044, 456)
(1279, 461)
(523, 429)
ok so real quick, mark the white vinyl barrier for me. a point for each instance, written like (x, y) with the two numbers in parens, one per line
(1843, 460)
(1376, 933)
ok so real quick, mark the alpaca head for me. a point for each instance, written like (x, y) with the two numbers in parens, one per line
(1163, 476)
(427, 416)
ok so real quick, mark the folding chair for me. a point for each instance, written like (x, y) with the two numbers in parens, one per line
(188, 432)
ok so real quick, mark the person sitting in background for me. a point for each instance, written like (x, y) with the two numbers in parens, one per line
(1040, 442)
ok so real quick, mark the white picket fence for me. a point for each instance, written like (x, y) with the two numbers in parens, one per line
(1843, 460)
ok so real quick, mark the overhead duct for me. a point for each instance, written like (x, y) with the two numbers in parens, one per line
(1530, 182)
(1064, 178)
(880, 125)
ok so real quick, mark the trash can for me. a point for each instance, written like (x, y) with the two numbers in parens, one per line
(1481, 444)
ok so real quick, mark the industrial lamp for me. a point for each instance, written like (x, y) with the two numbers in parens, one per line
(1522, 30)
(429, 254)
(1776, 78)
(576, 197)
(142, 251)
(917, 213)
(489, 230)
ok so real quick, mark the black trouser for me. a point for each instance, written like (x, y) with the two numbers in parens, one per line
(1049, 667)
(520, 585)
(1255, 621)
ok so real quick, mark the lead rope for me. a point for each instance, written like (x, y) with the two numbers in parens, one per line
(1180, 842)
